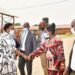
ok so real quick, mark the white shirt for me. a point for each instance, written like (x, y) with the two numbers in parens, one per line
(43, 36)
(23, 40)
(73, 59)
(72, 31)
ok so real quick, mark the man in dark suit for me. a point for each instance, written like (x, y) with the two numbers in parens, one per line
(28, 45)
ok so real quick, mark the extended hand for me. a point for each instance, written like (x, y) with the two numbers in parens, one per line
(25, 57)
(30, 57)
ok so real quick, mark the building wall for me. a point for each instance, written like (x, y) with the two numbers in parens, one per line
(59, 31)
(62, 30)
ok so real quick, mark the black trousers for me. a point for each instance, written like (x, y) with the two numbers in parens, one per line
(21, 65)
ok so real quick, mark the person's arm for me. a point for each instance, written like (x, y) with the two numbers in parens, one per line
(17, 43)
(20, 53)
(37, 52)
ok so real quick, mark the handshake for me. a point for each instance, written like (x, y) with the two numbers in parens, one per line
(30, 57)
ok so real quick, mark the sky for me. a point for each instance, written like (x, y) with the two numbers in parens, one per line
(32, 11)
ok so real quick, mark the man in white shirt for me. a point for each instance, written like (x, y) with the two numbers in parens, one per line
(28, 45)
(72, 64)
(42, 39)
(71, 67)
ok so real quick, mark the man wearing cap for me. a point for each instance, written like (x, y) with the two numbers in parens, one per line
(28, 45)
(42, 39)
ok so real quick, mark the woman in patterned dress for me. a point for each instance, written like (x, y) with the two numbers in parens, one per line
(54, 52)
(7, 52)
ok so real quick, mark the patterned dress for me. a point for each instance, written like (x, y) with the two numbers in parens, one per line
(7, 54)
(54, 54)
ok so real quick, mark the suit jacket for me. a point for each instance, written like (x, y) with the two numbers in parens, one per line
(69, 68)
(30, 44)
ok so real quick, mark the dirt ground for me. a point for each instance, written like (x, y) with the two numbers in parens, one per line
(37, 68)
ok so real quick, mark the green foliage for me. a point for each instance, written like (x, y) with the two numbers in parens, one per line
(17, 24)
(35, 24)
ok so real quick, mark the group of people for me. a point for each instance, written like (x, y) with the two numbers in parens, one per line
(50, 50)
